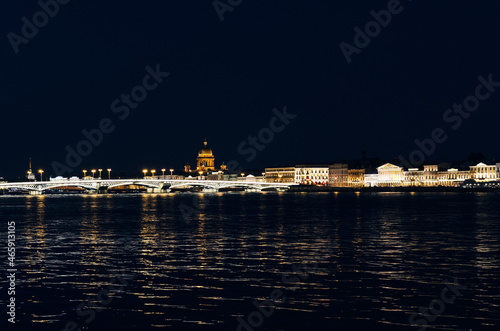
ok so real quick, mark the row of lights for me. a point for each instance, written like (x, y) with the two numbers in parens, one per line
(153, 171)
(93, 171)
(145, 171)
(84, 173)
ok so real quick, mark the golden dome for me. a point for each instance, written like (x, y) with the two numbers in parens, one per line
(205, 151)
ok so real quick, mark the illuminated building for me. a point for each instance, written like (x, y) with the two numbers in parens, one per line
(280, 175)
(311, 174)
(356, 178)
(390, 175)
(413, 177)
(371, 180)
(483, 173)
(205, 162)
(430, 175)
(452, 177)
(338, 175)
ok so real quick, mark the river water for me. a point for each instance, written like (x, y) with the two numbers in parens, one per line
(182, 261)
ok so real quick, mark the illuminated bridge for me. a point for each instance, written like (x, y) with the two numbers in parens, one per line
(151, 185)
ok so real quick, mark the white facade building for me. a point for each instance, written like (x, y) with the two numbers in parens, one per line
(311, 175)
(390, 175)
(371, 180)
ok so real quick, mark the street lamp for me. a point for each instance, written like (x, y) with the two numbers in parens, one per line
(163, 172)
(109, 173)
(41, 174)
(84, 174)
(242, 174)
(93, 173)
(145, 171)
(153, 173)
(100, 173)
(201, 173)
(171, 171)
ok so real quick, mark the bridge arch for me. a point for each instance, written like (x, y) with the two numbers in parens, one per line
(133, 184)
(84, 187)
(176, 185)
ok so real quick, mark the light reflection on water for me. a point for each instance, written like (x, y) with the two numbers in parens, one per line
(388, 254)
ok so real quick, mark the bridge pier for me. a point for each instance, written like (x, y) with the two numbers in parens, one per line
(35, 192)
(153, 190)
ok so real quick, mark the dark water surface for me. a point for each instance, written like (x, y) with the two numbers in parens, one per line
(337, 261)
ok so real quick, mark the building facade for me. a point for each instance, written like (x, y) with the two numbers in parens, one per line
(390, 175)
(430, 176)
(371, 180)
(483, 172)
(338, 175)
(413, 177)
(280, 175)
(311, 174)
(452, 177)
(356, 178)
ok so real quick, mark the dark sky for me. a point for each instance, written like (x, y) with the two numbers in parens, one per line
(226, 77)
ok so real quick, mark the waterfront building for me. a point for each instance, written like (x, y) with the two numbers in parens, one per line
(371, 180)
(413, 177)
(311, 174)
(356, 178)
(452, 177)
(430, 175)
(390, 175)
(483, 173)
(280, 175)
(498, 171)
(338, 175)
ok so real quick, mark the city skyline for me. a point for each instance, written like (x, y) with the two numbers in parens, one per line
(371, 163)
(207, 78)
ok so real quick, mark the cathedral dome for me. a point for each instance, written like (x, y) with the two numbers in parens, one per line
(205, 151)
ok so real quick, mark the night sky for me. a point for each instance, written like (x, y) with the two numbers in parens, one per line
(226, 77)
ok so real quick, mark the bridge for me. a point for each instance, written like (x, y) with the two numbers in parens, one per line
(151, 185)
